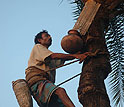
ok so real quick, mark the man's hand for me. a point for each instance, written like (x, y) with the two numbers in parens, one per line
(82, 57)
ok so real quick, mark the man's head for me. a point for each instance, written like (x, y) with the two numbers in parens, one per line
(43, 38)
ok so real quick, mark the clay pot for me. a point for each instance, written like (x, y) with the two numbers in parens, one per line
(72, 43)
(74, 32)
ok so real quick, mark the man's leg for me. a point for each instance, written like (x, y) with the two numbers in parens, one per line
(64, 97)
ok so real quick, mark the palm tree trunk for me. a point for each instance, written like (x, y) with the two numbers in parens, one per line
(92, 91)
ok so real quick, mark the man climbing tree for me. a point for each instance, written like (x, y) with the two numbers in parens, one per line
(40, 79)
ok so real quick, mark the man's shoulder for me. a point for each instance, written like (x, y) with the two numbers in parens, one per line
(38, 46)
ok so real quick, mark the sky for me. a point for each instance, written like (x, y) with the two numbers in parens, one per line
(20, 21)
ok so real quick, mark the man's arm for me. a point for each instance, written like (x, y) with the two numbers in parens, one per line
(62, 56)
(70, 56)
(79, 56)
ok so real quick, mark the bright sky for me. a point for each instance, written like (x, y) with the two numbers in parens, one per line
(20, 21)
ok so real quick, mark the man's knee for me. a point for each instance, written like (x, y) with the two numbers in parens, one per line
(60, 91)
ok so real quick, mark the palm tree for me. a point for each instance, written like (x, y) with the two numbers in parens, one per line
(106, 33)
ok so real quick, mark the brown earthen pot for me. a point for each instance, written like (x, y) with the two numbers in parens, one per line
(72, 43)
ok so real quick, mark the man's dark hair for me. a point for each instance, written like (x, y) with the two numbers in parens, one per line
(39, 36)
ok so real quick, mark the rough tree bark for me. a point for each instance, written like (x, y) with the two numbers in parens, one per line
(92, 91)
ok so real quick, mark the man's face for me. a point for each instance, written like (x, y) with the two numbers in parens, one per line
(46, 40)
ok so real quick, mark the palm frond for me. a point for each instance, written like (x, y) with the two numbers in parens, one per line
(115, 43)
(77, 8)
